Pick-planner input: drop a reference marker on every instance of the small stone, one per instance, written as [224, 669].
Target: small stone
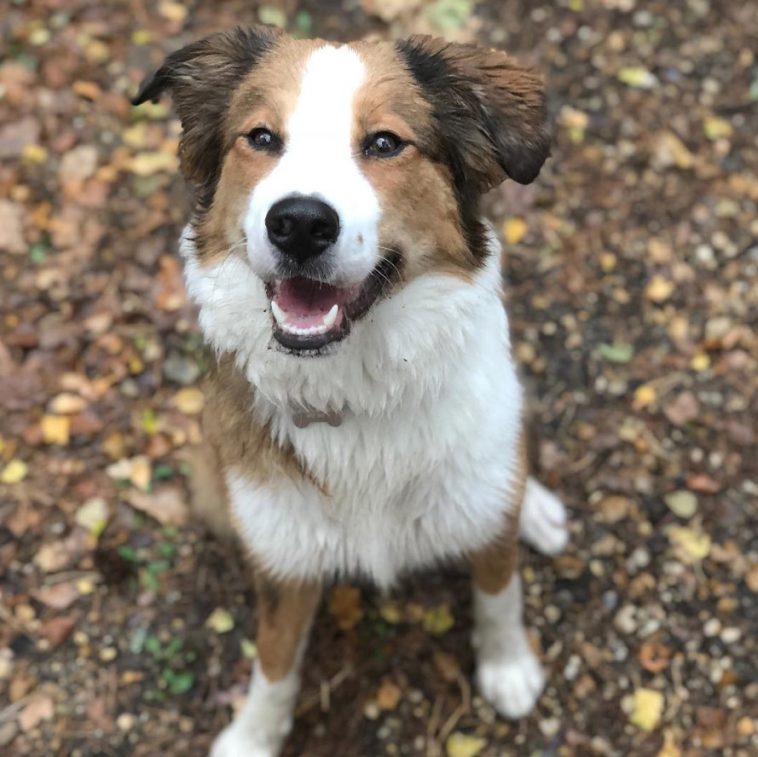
[626, 620]
[371, 711]
[614, 508]
[549, 727]
[108, 654]
[8, 732]
[181, 369]
[731, 635]
[682, 503]
[745, 726]
[712, 627]
[125, 721]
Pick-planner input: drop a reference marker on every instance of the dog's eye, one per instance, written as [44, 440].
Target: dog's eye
[384, 144]
[264, 140]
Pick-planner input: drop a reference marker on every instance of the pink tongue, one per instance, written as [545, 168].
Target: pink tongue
[306, 302]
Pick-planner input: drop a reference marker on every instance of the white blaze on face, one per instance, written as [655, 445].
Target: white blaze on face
[318, 161]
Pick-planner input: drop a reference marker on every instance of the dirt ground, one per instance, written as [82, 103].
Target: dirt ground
[633, 286]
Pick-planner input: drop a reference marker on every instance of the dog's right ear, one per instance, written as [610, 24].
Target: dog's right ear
[201, 78]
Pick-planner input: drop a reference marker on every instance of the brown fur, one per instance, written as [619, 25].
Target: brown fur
[285, 612]
[493, 566]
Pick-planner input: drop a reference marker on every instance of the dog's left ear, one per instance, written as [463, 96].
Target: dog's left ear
[201, 78]
[489, 111]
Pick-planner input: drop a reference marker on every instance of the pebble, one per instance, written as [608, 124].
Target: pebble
[549, 727]
[108, 654]
[371, 711]
[712, 627]
[125, 721]
[8, 732]
[730, 635]
[573, 666]
[626, 620]
[180, 369]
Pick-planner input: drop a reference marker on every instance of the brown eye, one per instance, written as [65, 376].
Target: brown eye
[383, 144]
[264, 140]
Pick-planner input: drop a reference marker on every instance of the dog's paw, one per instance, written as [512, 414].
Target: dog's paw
[238, 741]
[511, 686]
[544, 522]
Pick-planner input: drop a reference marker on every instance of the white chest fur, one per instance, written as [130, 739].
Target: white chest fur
[420, 468]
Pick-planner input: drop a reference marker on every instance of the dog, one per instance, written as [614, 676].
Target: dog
[364, 416]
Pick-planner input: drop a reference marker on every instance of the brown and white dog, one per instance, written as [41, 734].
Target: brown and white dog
[364, 417]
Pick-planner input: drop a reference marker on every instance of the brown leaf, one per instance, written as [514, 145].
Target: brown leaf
[40, 708]
[345, 606]
[59, 596]
[388, 695]
[56, 630]
[167, 505]
[683, 409]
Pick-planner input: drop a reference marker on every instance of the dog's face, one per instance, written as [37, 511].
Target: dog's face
[340, 173]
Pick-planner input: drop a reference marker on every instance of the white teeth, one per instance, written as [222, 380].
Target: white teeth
[279, 315]
[331, 317]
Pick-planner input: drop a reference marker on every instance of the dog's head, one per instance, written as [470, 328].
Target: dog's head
[339, 173]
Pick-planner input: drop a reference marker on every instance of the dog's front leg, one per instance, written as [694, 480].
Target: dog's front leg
[285, 613]
[508, 673]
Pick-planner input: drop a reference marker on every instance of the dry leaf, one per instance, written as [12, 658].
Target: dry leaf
[691, 546]
[658, 289]
[644, 396]
[388, 695]
[220, 621]
[345, 606]
[637, 77]
[67, 404]
[462, 745]
[93, 516]
[682, 503]
[14, 472]
[167, 505]
[189, 400]
[514, 230]
[56, 429]
[438, 620]
[647, 709]
[41, 707]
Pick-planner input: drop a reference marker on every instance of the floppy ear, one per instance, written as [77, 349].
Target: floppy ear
[201, 78]
[489, 111]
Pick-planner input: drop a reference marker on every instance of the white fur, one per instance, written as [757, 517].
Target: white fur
[508, 673]
[421, 467]
[318, 161]
[543, 523]
[264, 721]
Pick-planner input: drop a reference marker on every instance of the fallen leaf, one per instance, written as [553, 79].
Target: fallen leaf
[669, 747]
[56, 429]
[270, 14]
[702, 482]
[388, 695]
[56, 630]
[462, 745]
[58, 596]
[575, 121]
[345, 606]
[647, 709]
[716, 128]
[93, 516]
[438, 620]
[391, 613]
[658, 289]
[389, 10]
[692, 546]
[149, 163]
[637, 77]
[614, 508]
[167, 505]
[448, 666]
[12, 228]
[189, 400]
[78, 164]
[449, 15]
[671, 151]
[682, 503]
[41, 707]
[137, 470]
[618, 352]
[172, 11]
[67, 404]
[220, 621]
[514, 230]
[683, 409]
[14, 472]
[644, 396]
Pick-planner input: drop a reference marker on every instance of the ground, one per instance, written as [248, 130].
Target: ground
[633, 275]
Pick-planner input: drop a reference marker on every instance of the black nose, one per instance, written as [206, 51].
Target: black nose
[302, 227]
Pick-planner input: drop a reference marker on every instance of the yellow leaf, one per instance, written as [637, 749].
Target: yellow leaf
[638, 77]
[646, 709]
[14, 472]
[691, 545]
[345, 606]
[34, 154]
[700, 362]
[658, 289]
[644, 396]
[189, 400]
[514, 230]
[140, 472]
[717, 128]
[461, 745]
[93, 515]
[149, 163]
[391, 613]
[220, 621]
[670, 150]
[141, 37]
[55, 429]
[388, 695]
[172, 11]
[608, 262]
[438, 620]
[669, 747]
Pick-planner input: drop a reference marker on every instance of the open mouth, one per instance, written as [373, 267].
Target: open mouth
[308, 314]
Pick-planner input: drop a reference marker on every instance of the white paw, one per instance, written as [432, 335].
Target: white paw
[544, 523]
[511, 686]
[237, 741]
